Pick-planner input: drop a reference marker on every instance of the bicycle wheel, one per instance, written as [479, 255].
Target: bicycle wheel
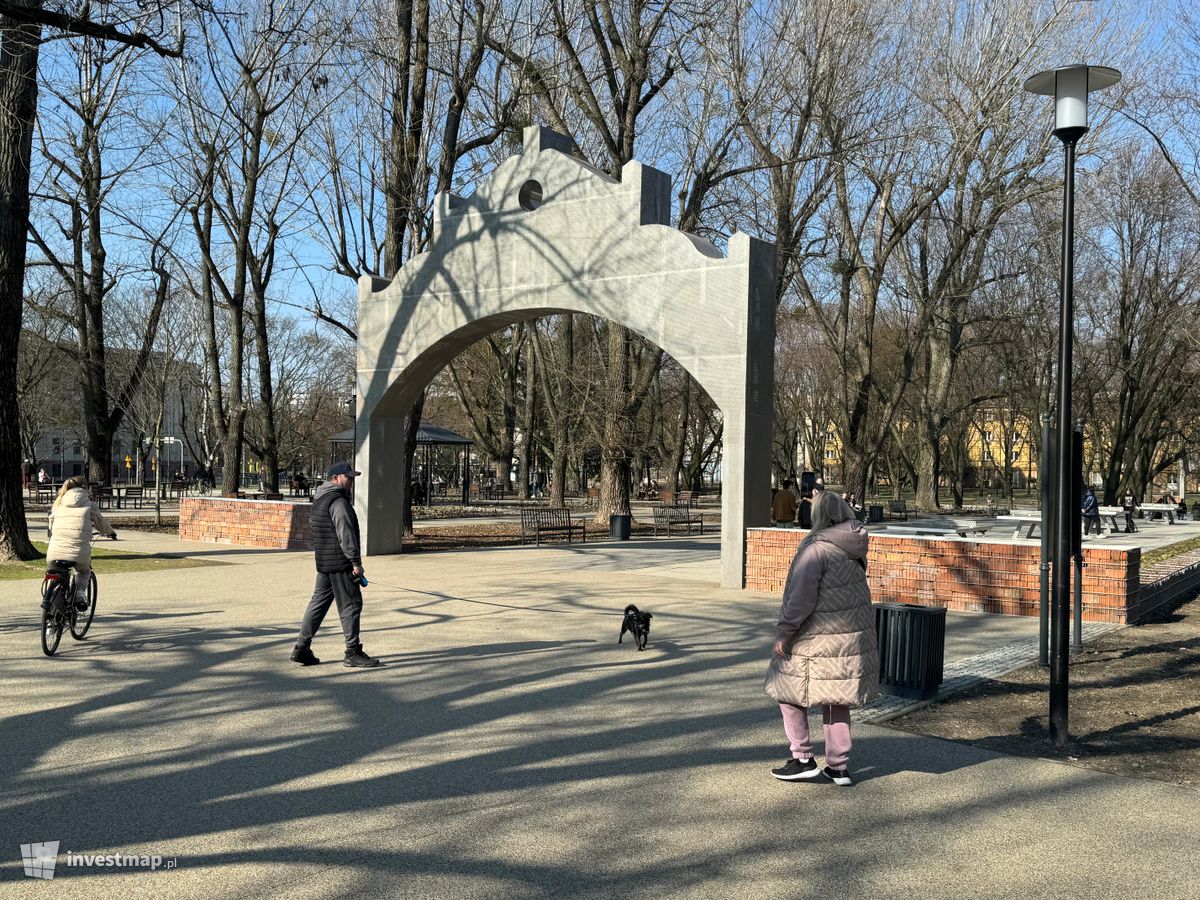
[81, 620]
[52, 620]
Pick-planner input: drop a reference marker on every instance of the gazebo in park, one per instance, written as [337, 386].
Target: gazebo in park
[430, 439]
[547, 233]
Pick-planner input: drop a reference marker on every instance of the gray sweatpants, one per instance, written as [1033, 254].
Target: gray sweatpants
[339, 586]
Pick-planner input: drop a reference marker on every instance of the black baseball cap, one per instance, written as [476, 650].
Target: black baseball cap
[341, 468]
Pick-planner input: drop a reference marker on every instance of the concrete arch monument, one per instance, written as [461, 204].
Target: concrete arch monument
[546, 233]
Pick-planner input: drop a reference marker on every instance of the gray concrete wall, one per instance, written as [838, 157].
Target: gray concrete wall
[595, 246]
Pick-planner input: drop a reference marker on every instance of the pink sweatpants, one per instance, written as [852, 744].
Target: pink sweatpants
[837, 733]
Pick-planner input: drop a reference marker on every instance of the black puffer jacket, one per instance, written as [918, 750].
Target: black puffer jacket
[334, 530]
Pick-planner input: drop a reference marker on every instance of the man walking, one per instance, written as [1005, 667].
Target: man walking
[1091, 511]
[339, 568]
[783, 505]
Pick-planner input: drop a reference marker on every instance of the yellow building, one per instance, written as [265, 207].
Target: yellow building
[993, 435]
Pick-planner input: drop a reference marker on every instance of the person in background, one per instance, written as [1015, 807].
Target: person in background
[43, 478]
[783, 505]
[73, 518]
[1091, 512]
[825, 652]
[1130, 505]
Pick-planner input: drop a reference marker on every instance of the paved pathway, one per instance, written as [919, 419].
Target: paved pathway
[510, 748]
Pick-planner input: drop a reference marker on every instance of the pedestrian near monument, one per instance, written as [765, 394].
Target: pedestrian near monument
[1091, 511]
[73, 517]
[783, 505]
[336, 546]
[1129, 503]
[825, 652]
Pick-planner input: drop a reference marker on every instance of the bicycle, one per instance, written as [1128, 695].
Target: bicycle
[60, 609]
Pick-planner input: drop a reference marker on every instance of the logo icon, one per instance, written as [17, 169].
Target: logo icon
[39, 859]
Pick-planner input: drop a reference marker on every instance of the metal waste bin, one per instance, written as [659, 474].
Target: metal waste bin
[619, 526]
[912, 648]
[874, 513]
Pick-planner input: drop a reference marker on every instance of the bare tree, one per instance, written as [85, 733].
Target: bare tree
[21, 24]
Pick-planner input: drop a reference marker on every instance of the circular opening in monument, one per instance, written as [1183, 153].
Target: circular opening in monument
[530, 196]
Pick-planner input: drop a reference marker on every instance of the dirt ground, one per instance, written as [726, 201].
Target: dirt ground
[1134, 705]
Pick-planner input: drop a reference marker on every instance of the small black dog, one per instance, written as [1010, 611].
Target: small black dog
[636, 623]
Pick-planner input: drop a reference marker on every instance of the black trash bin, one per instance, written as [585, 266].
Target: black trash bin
[619, 526]
[912, 644]
[874, 513]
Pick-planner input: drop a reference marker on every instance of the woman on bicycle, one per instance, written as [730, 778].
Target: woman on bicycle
[73, 516]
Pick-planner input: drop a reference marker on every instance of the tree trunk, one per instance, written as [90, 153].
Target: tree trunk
[412, 424]
[18, 107]
[928, 472]
[525, 455]
[614, 448]
[676, 464]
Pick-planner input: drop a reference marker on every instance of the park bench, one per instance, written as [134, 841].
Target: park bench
[670, 517]
[133, 494]
[552, 521]
[103, 496]
[898, 508]
[46, 492]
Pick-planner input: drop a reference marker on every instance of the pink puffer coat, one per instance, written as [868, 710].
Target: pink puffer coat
[827, 620]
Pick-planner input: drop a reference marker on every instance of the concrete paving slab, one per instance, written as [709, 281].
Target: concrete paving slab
[510, 748]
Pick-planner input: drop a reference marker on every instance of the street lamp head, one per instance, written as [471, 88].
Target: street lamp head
[1070, 86]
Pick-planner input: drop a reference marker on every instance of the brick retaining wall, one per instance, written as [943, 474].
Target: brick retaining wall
[277, 524]
[960, 573]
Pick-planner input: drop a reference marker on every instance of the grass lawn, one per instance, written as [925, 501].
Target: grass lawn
[1171, 550]
[105, 561]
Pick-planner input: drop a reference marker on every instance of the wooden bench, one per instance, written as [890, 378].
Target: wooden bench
[898, 508]
[550, 521]
[669, 517]
[103, 495]
[133, 494]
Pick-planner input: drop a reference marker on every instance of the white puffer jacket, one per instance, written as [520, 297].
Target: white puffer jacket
[72, 520]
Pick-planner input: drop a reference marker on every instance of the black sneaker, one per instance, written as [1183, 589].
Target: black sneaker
[357, 659]
[304, 656]
[838, 776]
[797, 770]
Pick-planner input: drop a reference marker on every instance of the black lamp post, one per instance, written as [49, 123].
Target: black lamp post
[1069, 86]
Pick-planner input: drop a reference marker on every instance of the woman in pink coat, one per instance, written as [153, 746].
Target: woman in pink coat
[825, 653]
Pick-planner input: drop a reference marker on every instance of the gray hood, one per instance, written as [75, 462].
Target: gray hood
[849, 536]
[325, 489]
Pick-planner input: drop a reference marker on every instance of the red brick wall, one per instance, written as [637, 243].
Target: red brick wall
[277, 524]
[959, 574]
